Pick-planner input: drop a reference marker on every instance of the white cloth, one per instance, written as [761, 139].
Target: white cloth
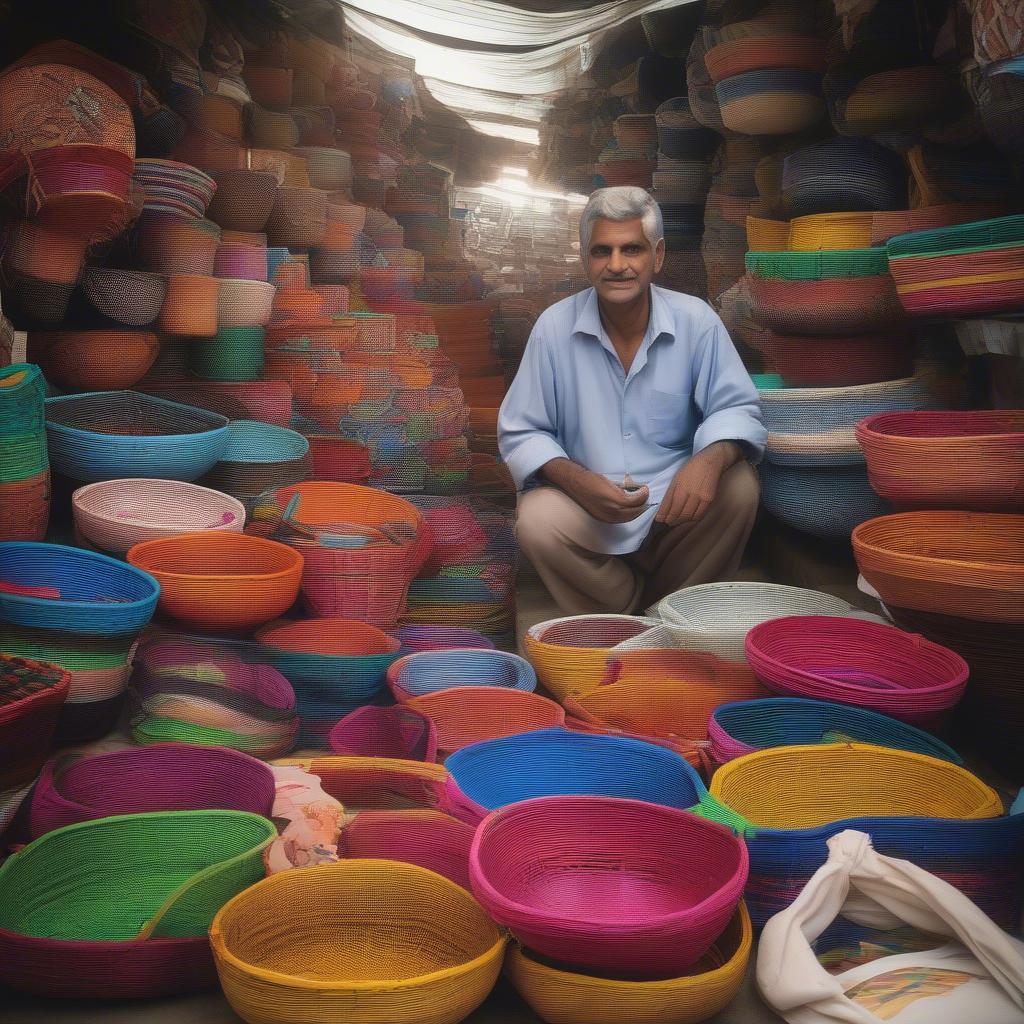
[883, 892]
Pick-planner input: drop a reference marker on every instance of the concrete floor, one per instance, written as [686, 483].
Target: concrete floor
[773, 555]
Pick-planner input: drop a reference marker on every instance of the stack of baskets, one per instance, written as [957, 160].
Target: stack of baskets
[24, 462]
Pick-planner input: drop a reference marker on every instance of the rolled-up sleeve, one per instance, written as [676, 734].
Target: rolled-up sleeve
[725, 396]
[528, 418]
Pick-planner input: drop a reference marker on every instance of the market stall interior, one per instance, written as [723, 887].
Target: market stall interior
[290, 730]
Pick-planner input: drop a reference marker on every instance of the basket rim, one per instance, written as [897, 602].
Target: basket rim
[868, 426]
[219, 537]
[216, 421]
[82, 492]
[219, 943]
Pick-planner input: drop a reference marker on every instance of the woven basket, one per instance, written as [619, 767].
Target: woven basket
[118, 908]
[818, 265]
[217, 580]
[831, 306]
[767, 235]
[430, 671]
[440, 638]
[928, 811]
[743, 727]
[235, 354]
[825, 361]
[240, 261]
[430, 839]
[946, 562]
[164, 777]
[169, 244]
[560, 996]
[25, 505]
[108, 435]
[860, 663]
[299, 217]
[716, 617]
[651, 886]
[31, 695]
[772, 102]
[962, 460]
[898, 222]
[114, 515]
[569, 654]
[190, 305]
[831, 231]
[737, 56]
[395, 732]
[391, 942]
[93, 360]
[244, 303]
[130, 297]
[50, 586]
[243, 200]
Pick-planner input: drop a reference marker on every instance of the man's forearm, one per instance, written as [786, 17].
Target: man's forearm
[721, 454]
[563, 473]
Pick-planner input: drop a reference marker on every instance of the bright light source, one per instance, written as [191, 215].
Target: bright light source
[515, 132]
[521, 172]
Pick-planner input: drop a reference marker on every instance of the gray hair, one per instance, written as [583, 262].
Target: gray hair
[622, 202]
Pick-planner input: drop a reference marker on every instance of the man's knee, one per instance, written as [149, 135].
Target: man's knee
[739, 490]
[538, 514]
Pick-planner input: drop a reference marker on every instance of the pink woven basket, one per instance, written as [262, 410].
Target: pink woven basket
[428, 838]
[856, 662]
[398, 732]
[615, 887]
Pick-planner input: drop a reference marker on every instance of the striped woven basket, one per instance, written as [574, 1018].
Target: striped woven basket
[118, 908]
[560, 996]
[746, 726]
[921, 809]
[946, 562]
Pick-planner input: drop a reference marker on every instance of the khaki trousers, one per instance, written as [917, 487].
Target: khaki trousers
[550, 527]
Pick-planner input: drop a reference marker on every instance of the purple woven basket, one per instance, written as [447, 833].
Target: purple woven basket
[395, 731]
[162, 777]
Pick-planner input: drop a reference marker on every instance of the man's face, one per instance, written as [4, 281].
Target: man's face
[620, 262]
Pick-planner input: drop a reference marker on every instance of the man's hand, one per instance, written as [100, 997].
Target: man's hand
[594, 493]
[694, 487]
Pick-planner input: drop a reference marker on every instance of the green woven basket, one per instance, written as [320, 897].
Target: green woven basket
[22, 456]
[149, 729]
[133, 876]
[236, 353]
[816, 266]
[997, 233]
[76, 654]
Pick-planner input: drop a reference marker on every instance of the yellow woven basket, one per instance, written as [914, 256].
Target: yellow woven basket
[562, 997]
[830, 231]
[767, 235]
[800, 787]
[358, 942]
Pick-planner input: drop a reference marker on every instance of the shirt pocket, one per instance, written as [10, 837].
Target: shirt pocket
[667, 418]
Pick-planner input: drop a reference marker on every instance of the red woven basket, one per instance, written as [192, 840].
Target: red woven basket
[959, 460]
[852, 661]
[849, 305]
[31, 696]
[824, 361]
[399, 732]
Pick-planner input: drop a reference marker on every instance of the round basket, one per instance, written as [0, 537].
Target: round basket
[430, 671]
[396, 732]
[569, 654]
[767, 235]
[164, 777]
[560, 996]
[431, 839]
[470, 714]
[119, 908]
[951, 460]
[716, 617]
[299, 217]
[130, 297]
[240, 261]
[190, 305]
[922, 809]
[742, 727]
[818, 265]
[865, 664]
[391, 941]
[218, 580]
[31, 696]
[244, 303]
[114, 515]
[823, 361]
[235, 354]
[50, 586]
[93, 360]
[243, 200]
[441, 638]
[946, 562]
[107, 435]
[773, 102]
[609, 885]
[835, 231]
[853, 305]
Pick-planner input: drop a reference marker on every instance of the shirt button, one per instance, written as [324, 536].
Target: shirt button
[626, 437]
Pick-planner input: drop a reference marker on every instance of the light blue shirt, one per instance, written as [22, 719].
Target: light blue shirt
[686, 389]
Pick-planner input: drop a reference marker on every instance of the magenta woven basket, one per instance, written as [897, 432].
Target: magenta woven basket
[163, 777]
[615, 887]
[856, 662]
[395, 731]
[428, 838]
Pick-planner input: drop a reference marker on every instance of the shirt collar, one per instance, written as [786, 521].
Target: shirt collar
[661, 322]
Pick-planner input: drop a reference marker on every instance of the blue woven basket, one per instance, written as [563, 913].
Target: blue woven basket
[558, 762]
[429, 671]
[106, 435]
[99, 595]
[782, 721]
[346, 680]
[253, 441]
[824, 500]
[750, 83]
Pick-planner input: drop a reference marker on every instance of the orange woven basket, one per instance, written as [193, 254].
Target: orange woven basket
[471, 714]
[323, 502]
[377, 783]
[190, 305]
[93, 360]
[216, 580]
[966, 564]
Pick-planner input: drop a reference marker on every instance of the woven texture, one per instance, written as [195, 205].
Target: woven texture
[365, 941]
[31, 695]
[119, 907]
[24, 459]
[931, 812]
[860, 663]
[397, 732]
[657, 885]
[560, 996]
[430, 671]
[946, 562]
[93, 360]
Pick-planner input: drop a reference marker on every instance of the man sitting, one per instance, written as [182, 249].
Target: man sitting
[630, 428]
